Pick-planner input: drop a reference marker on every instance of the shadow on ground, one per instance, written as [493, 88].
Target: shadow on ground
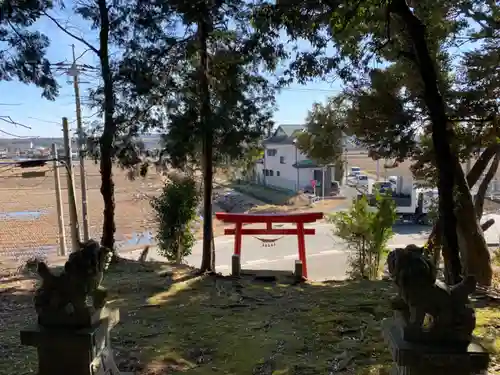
[174, 322]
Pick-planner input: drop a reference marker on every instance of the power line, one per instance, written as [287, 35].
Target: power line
[17, 136]
[9, 120]
[308, 89]
[50, 121]
[46, 121]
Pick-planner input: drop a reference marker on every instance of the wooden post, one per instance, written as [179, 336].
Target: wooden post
[73, 214]
[60, 212]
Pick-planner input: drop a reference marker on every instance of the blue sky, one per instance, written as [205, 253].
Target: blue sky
[26, 106]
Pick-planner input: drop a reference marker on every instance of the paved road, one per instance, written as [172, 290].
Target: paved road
[327, 255]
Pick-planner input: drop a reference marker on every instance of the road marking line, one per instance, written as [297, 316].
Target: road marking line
[257, 261]
[290, 257]
[220, 242]
[324, 252]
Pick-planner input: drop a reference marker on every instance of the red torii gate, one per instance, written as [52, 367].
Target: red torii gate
[239, 219]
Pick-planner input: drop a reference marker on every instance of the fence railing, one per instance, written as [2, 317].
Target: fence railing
[29, 218]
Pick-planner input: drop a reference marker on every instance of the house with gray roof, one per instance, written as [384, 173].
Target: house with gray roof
[285, 166]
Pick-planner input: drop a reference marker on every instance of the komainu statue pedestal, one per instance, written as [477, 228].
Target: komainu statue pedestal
[431, 332]
[84, 351]
[430, 359]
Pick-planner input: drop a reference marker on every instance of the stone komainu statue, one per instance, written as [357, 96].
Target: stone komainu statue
[67, 294]
[420, 294]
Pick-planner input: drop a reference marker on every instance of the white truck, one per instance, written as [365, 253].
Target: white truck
[412, 203]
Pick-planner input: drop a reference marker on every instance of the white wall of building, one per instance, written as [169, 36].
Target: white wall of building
[284, 175]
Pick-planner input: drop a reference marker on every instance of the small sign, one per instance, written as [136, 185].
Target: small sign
[313, 183]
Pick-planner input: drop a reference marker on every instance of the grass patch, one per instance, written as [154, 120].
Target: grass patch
[173, 323]
[263, 193]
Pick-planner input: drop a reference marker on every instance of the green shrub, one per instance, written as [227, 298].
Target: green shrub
[496, 257]
[175, 210]
[366, 232]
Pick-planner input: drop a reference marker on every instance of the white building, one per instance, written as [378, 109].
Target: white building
[284, 166]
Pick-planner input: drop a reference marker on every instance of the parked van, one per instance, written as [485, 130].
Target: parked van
[362, 182]
[335, 188]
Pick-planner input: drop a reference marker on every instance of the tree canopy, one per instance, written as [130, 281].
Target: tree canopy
[398, 64]
[323, 137]
[22, 55]
[199, 73]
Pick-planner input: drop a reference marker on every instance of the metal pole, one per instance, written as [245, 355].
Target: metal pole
[323, 183]
[73, 215]
[378, 169]
[60, 213]
[265, 167]
[297, 165]
[346, 165]
[81, 149]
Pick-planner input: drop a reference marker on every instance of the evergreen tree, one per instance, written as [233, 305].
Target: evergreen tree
[22, 55]
[204, 87]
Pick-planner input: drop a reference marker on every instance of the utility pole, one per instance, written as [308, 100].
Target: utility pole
[60, 212]
[81, 146]
[73, 214]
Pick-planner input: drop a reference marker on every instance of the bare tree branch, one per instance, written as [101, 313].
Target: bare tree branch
[81, 40]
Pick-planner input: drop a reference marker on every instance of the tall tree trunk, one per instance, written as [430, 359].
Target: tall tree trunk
[205, 116]
[483, 187]
[481, 163]
[476, 257]
[106, 141]
[472, 178]
[478, 260]
[441, 134]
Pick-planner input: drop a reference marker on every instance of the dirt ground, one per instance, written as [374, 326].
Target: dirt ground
[28, 213]
[173, 322]
[28, 210]
[37, 196]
